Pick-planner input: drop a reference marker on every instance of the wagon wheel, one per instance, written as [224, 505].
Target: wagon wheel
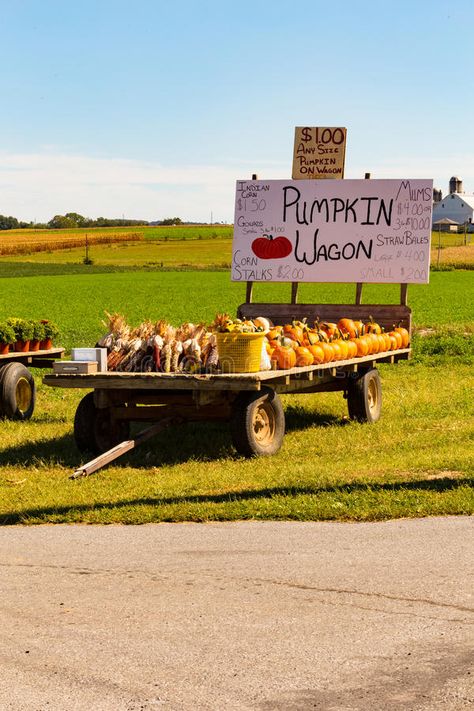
[258, 423]
[17, 392]
[95, 430]
[364, 397]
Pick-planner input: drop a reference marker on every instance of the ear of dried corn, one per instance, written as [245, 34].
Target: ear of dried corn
[160, 347]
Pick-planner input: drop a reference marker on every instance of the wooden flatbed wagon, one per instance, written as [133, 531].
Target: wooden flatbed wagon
[17, 385]
[250, 402]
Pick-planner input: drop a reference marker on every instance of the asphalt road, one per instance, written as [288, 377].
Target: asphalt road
[284, 616]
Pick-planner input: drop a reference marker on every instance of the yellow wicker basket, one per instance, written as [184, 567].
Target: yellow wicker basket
[239, 352]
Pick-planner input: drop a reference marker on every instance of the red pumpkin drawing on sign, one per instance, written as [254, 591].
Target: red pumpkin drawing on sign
[265, 247]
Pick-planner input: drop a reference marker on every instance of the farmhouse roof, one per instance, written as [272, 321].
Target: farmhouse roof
[467, 198]
[445, 221]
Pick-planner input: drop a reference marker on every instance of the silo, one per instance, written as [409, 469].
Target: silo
[455, 185]
[437, 195]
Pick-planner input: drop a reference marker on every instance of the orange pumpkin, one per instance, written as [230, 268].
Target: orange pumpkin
[312, 337]
[372, 327]
[337, 350]
[347, 325]
[362, 347]
[274, 333]
[398, 338]
[284, 357]
[293, 331]
[303, 356]
[344, 349]
[404, 334]
[330, 328]
[317, 353]
[351, 349]
[375, 342]
[382, 344]
[359, 328]
[386, 339]
[328, 351]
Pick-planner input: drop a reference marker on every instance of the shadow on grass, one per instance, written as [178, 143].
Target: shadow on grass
[175, 446]
[299, 418]
[439, 486]
[204, 442]
[61, 451]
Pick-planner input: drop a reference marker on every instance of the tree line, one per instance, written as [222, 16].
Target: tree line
[73, 219]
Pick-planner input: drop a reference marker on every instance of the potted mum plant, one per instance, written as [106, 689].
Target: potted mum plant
[38, 335]
[51, 331]
[23, 331]
[7, 337]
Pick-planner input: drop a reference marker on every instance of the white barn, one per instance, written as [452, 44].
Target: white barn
[457, 206]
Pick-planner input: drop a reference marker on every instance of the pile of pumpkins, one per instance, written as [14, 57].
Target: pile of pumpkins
[298, 344]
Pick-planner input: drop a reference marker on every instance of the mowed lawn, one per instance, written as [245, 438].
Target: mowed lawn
[416, 461]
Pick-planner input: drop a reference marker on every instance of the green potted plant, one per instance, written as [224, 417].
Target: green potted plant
[51, 331]
[38, 335]
[7, 337]
[23, 330]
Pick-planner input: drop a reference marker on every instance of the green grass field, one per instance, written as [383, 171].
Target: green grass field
[416, 461]
[77, 301]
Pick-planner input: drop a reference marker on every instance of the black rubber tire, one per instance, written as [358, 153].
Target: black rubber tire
[94, 429]
[17, 392]
[364, 397]
[258, 423]
[2, 414]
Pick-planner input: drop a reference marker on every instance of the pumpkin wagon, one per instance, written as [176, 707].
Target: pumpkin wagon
[287, 231]
[249, 401]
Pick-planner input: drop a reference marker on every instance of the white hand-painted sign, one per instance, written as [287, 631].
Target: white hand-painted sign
[332, 230]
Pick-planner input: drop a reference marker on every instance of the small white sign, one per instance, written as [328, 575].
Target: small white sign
[332, 231]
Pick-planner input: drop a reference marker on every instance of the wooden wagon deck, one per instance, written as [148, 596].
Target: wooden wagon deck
[294, 379]
[35, 359]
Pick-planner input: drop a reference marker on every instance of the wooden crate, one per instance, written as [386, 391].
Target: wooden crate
[76, 367]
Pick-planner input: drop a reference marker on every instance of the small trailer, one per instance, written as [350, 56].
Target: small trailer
[250, 402]
[17, 385]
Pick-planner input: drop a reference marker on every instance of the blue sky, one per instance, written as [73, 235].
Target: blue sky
[154, 109]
